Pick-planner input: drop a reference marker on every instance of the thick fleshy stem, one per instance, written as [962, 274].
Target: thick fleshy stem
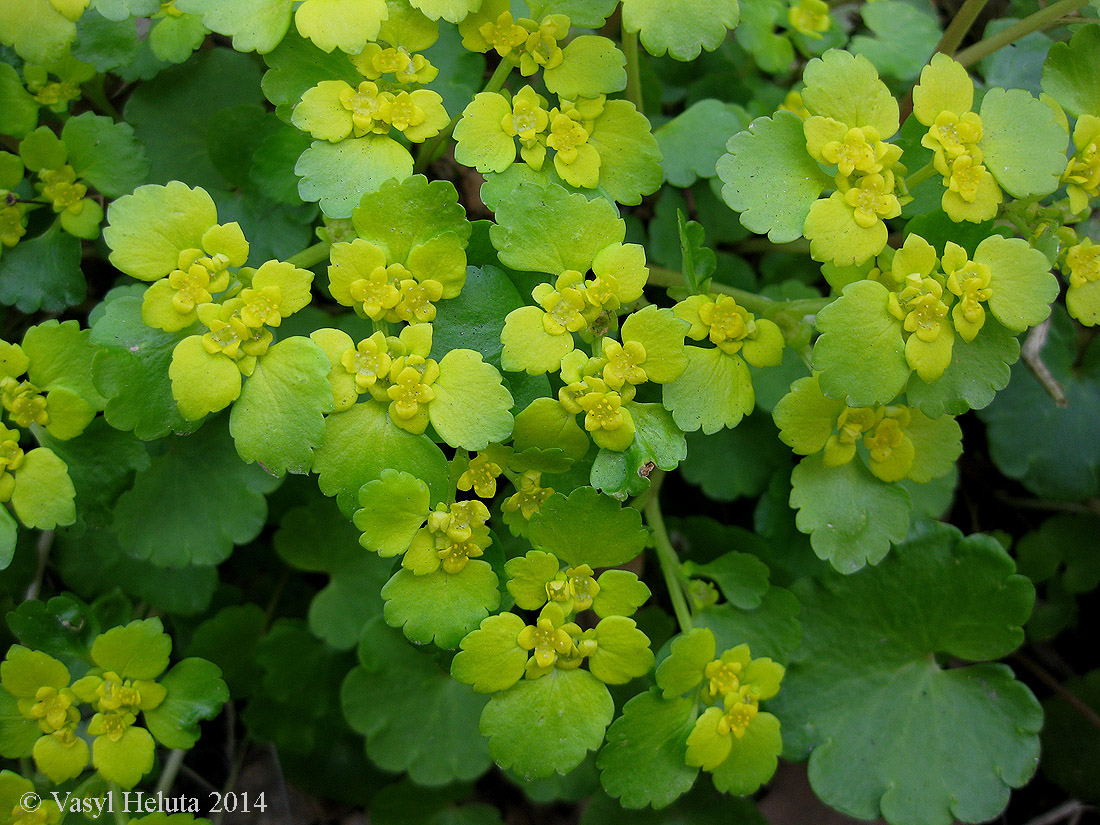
[666, 554]
[633, 72]
[960, 24]
[310, 256]
[920, 176]
[430, 150]
[1032, 23]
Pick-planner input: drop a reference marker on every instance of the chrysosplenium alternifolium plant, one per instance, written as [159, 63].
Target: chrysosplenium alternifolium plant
[438, 257]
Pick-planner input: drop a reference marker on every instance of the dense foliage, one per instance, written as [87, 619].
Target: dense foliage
[363, 362]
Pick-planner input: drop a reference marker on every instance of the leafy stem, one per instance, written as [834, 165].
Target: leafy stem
[671, 569]
[960, 24]
[660, 276]
[1032, 23]
[310, 256]
[920, 176]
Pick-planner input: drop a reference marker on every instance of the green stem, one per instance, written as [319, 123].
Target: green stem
[633, 73]
[45, 543]
[97, 96]
[660, 276]
[960, 24]
[1031, 23]
[171, 769]
[666, 555]
[310, 256]
[430, 150]
[920, 176]
[115, 795]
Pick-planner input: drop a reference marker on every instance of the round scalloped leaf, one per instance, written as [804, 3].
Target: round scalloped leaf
[43, 495]
[591, 66]
[771, 630]
[805, 417]
[693, 141]
[491, 659]
[642, 763]
[427, 210]
[278, 420]
[392, 509]
[680, 27]
[1071, 74]
[868, 664]
[861, 353]
[588, 528]
[138, 650]
[742, 577]
[40, 30]
[196, 693]
[158, 519]
[584, 14]
[851, 516]
[978, 371]
[338, 174]
[658, 442]
[414, 716]
[1051, 450]
[105, 154]
[297, 66]
[905, 38]
[255, 25]
[347, 25]
[361, 443]
[441, 607]
[547, 229]
[938, 445]
[18, 109]
[714, 391]
[770, 178]
[847, 88]
[131, 371]
[630, 158]
[472, 407]
[43, 273]
[1022, 283]
[148, 229]
[543, 726]
[1023, 145]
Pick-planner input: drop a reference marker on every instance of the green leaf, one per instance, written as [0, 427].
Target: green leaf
[339, 174]
[43, 493]
[905, 38]
[415, 717]
[547, 229]
[18, 110]
[868, 664]
[201, 474]
[104, 43]
[681, 28]
[173, 113]
[474, 319]
[588, 528]
[1071, 77]
[278, 420]
[362, 442]
[1071, 750]
[978, 371]
[138, 650]
[585, 14]
[770, 178]
[8, 537]
[296, 66]
[229, 639]
[392, 510]
[643, 761]
[255, 25]
[1023, 145]
[742, 577]
[441, 607]
[61, 358]
[472, 406]
[693, 141]
[658, 444]
[715, 391]
[772, 629]
[38, 29]
[43, 273]
[491, 659]
[175, 38]
[861, 353]
[131, 371]
[1052, 450]
[105, 153]
[63, 627]
[731, 464]
[546, 725]
[851, 516]
[591, 66]
[846, 88]
[196, 692]
[630, 159]
[272, 167]
[429, 211]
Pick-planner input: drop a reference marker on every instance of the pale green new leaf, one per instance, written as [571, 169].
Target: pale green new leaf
[630, 159]
[339, 174]
[682, 27]
[770, 178]
[472, 407]
[441, 607]
[391, 509]
[851, 516]
[278, 420]
[43, 494]
[491, 660]
[622, 651]
[255, 25]
[715, 391]
[847, 88]
[591, 66]
[547, 725]
[1023, 145]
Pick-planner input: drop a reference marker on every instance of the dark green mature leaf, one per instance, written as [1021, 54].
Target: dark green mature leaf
[1071, 750]
[193, 503]
[658, 444]
[415, 717]
[474, 319]
[772, 629]
[64, 627]
[738, 462]
[1070, 74]
[195, 692]
[1053, 451]
[105, 44]
[588, 528]
[297, 65]
[105, 153]
[643, 761]
[742, 577]
[692, 142]
[173, 114]
[229, 639]
[131, 371]
[904, 38]
[868, 664]
[43, 273]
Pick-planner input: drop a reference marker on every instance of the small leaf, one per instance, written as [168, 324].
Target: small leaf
[1023, 145]
[1071, 77]
[196, 692]
[43, 273]
[588, 528]
[680, 28]
[456, 603]
[339, 174]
